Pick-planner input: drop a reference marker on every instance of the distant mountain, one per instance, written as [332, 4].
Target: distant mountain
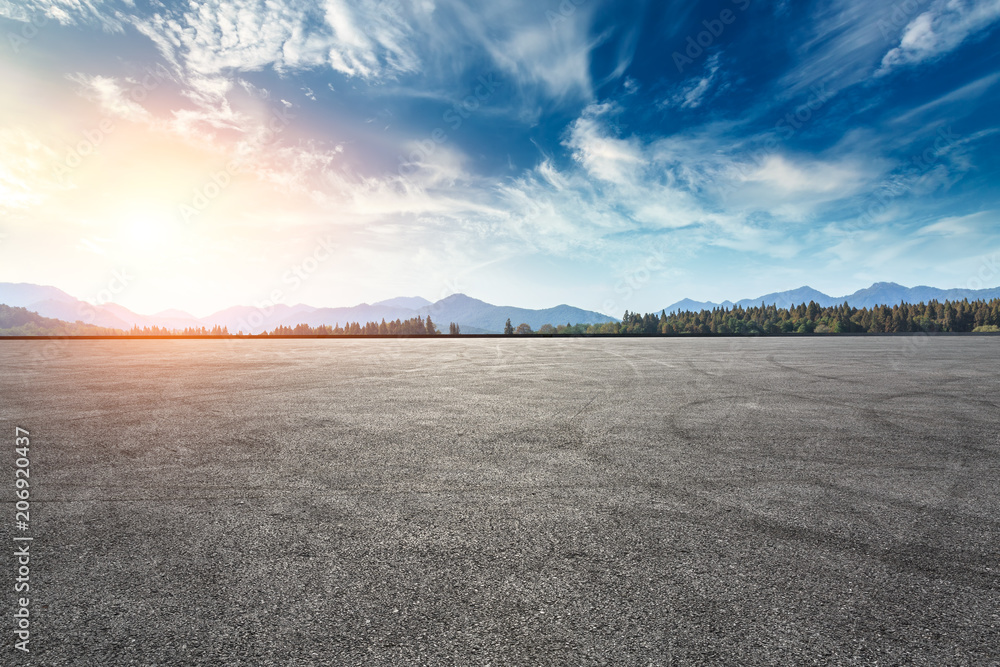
[75, 310]
[250, 319]
[695, 306]
[19, 321]
[169, 319]
[791, 298]
[890, 294]
[361, 313]
[472, 315]
[22, 295]
[468, 312]
[54, 303]
[879, 294]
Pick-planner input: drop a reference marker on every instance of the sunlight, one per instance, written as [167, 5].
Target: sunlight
[144, 231]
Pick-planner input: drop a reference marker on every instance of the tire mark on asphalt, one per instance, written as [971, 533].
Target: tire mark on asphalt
[775, 362]
[912, 558]
[586, 405]
[331, 493]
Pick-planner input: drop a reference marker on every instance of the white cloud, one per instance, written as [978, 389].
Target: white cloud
[693, 93]
[960, 225]
[940, 30]
[364, 39]
[838, 47]
[536, 55]
[956, 98]
[65, 12]
[603, 156]
[442, 167]
[698, 187]
[25, 166]
[777, 172]
[369, 38]
[112, 97]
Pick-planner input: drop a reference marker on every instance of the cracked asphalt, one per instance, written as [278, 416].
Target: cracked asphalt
[522, 501]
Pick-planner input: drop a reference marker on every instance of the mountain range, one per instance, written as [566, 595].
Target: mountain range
[879, 294]
[472, 315]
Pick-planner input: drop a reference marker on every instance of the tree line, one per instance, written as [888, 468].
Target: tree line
[934, 316]
[415, 326]
[186, 331]
[16, 321]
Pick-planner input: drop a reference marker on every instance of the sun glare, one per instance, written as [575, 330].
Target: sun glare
[145, 231]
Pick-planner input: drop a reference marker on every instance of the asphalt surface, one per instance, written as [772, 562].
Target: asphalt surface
[775, 501]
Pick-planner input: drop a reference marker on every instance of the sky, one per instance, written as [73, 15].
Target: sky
[609, 155]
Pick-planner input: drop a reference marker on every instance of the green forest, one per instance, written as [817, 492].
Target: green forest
[959, 316]
[951, 317]
[413, 327]
[23, 322]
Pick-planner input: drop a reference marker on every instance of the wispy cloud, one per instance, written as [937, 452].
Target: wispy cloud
[111, 96]
[106, 14]
[953, 100]
[693, 93]
[939, 30]
[24, 169]
[591, 148]
[964, 225]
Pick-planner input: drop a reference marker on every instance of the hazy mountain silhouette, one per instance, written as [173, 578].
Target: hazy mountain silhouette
[469, 312]
[695, 306]
[24, 294]
[879, 294]
[52, 302]
[803, 294]
[472, 315]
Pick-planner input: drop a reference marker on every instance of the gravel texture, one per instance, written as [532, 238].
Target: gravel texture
[776, 501]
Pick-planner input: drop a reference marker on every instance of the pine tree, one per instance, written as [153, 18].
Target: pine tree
[508, 329]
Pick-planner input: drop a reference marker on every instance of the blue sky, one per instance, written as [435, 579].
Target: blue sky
[608, 155]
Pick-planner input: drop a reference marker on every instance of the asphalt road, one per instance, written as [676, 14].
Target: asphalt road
[507, 502]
